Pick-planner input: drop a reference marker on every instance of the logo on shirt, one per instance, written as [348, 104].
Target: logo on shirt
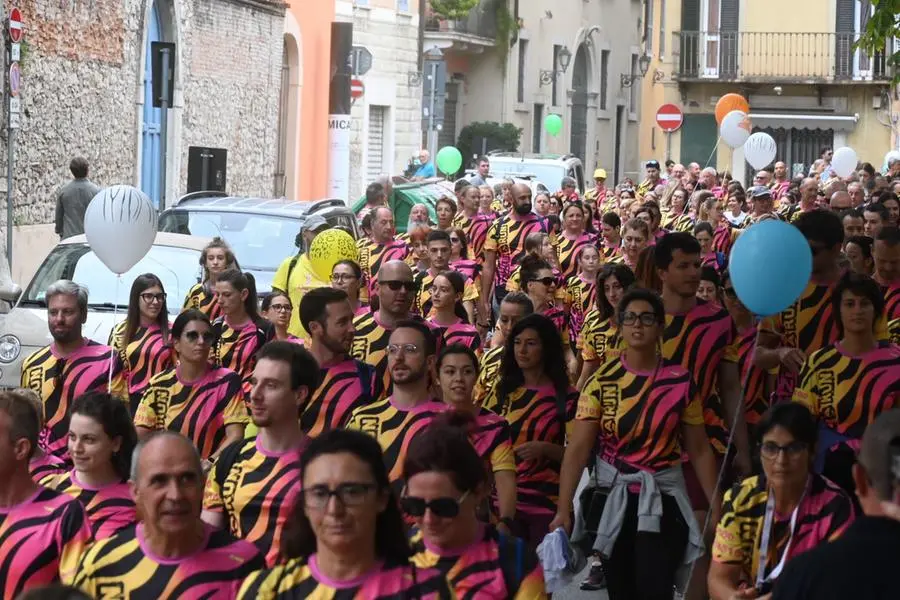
[789, 324]
[826, 383]
[35, 379]
[370, 425]
[358, 347]
[111, 591]
[609, 406]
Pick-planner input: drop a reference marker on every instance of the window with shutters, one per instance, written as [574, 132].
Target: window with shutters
[662, 28]
[689, 52]
[554, 88]
[520, 84]
[710, 19]
[633, 90]
[648, 26]
[537, 127]
[604, 78]
[376, 151]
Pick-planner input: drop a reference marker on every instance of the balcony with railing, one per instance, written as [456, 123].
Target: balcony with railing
[775, 57]
[473, 33]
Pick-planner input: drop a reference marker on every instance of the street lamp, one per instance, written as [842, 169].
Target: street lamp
[563, 58]
[643, 66]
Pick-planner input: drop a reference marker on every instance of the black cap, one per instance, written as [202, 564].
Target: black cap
[652, 164]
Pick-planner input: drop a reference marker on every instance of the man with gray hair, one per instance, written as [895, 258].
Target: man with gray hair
[72, 200]
[862, 563]
[171, 548]
[70, 366]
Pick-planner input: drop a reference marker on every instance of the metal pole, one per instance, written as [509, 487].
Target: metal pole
[10, 152]
[163, 127]
[668, 145]
[432, 142]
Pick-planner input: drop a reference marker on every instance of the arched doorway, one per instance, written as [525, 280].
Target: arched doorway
[579, 124]
[152, 165]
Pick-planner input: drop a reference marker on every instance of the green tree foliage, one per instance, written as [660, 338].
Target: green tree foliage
[453, 9]
[499, 137]
[880, 32]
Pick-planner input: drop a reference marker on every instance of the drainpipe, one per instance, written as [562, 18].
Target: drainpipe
[422, 6]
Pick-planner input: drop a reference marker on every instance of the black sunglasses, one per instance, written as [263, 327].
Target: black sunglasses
[395, 286]
[194, 336]
[548, 281]
[446, 508]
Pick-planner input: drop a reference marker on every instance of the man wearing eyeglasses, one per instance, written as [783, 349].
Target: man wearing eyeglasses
[409, 409]
[396, 293]
[809, 324]
[254, 483]
[70, 366]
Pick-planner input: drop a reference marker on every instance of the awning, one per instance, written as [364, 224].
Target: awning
[805, 121]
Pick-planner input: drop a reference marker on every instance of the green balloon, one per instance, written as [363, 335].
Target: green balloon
[553, 124]
[448, 160]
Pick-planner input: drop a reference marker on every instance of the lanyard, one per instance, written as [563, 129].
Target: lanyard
[768, 526]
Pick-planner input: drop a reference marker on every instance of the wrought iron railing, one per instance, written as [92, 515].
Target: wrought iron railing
[481, 22]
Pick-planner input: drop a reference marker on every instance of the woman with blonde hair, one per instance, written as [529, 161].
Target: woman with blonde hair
[216, 258]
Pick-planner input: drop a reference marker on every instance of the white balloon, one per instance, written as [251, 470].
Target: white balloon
[735, 128]
[890, 156]
[844, 161]
[120, 224]
[760, 150]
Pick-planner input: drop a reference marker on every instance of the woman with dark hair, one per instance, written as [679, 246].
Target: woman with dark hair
[677, 219]
[709, 257]
[599, 339]
[101, 440]
[446, 483]
[710, 288]
[538, 245]
[534, 395]
[572, 239]
[459, 257]
[848, 383]
[448, 319]
[417, 238]
[347, 276]
[457, 368]
[445, 209]
[635, 237]
[858, 251]
[142, 339]
[581, 290]
[240, 332]
[643, 413]
[651, 207]
[541, 284]
[471, 223]
[514, 307]
[646, 272]
[276, 309]
[768, 519]
[215, 259]
[758, 384]
[346, 538]
[204, 403]
[611, 235]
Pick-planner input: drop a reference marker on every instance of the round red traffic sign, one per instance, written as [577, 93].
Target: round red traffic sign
[357, 88]
[15, 25]
[669, 117]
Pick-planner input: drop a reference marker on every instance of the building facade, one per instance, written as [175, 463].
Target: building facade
[87, 90]
[515, 62]
[806, 84]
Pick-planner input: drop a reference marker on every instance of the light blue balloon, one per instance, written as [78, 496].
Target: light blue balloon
[770, 266]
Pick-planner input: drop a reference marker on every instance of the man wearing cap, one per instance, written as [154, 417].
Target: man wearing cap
[295, 276]
[652, 180]
[761, 204]
[597, 194]
[862, 563]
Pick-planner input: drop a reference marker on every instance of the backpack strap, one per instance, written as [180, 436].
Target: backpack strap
[291, 265]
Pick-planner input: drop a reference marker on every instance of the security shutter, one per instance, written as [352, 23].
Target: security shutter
[845, 28]
[690, 38]
[447, 134]
[797, 148]
[375, 160]
[728, 31]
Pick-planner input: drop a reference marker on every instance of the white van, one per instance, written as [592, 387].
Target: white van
[549, 169]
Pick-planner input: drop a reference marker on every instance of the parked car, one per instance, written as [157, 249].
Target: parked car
[549, 169]
[260, 231]
[174, 258]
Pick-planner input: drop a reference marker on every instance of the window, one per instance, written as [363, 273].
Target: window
[662, 28]
[554, 91]
[360, 2]
[633, 90]
[604, 77]
[403, 6]
[648, 25]
[520, 85]
[537, 127]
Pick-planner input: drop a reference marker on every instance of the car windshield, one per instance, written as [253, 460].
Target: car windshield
[261, 242]
[178, 268]
[549, 174]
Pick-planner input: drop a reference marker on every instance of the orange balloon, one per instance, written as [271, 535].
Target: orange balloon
[728, 103]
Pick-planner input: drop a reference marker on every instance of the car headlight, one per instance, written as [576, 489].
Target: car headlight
[9, 348]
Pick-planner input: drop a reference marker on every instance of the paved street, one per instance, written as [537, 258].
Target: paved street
[573, 593]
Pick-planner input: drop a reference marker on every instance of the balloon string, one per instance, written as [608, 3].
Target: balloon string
[112, 348]
[713, 151]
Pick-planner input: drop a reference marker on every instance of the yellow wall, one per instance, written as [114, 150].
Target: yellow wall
[791, 16]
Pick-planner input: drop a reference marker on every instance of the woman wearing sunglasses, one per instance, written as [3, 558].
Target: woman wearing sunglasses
[446, 482]
[457, 368]
[769, 519]
[204, 403]
[142, 339]
[643, 412]
[541, 284]
[848, 383]
[276, 308]
[534, 395]
[100, 441]
[448, 318]
[757, 383]
[346, 276]
[346, 537]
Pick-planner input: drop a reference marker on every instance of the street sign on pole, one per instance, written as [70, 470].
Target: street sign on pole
[361, 60]
[357, 88]
[15, 79]
[669, 118]
[15, 26]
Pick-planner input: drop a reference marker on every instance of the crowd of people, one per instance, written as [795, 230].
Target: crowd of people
[511, 365]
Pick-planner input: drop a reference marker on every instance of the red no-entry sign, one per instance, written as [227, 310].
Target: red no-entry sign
[357, 88]
[669, 117]
[15, 25]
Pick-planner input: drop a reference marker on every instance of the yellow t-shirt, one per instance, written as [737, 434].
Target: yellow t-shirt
[303, 279]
